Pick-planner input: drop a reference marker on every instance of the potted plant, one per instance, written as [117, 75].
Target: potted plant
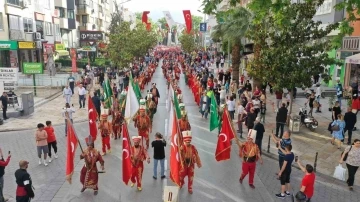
[331, 102]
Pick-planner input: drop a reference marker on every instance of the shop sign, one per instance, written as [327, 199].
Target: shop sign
[91, 35]
[32, 68]
[59, 47]
[27, 45]
[8, 45]
[8, 74]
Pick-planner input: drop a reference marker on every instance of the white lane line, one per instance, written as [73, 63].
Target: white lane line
[207, 195]
[204, 141]
[206, 152]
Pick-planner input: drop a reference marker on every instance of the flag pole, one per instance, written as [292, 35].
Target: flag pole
[231, 124]
[71, 125]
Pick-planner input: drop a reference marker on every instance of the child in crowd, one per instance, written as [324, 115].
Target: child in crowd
[51, 139]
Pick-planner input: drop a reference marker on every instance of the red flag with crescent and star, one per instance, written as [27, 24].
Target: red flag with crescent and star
[188, 20]
[175, 159]
[126, 164]
[92, 119]
[72, 143]
[223, 147]
[144, 18]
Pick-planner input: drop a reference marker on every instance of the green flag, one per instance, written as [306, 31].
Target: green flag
[136, 88]
[177, 107]
[107, 94]
[214, 116]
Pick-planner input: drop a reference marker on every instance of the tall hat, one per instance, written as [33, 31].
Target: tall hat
[123, 92]
[182, 105]
[222, 106]
[149, 95]
[103, 117]
[136, 139]
[89, 140]
[187, 136]
[179, 96]
[142, 101]
[252, 135]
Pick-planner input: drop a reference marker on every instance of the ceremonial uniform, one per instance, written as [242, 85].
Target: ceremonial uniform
[138, 155]
[117, 123]
[143, 124]
[151, 107]
[189, 156]
[89, 173]
[24, 191]
[155, 93]
[105, 131]
[184, 122]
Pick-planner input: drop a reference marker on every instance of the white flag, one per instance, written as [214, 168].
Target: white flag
[171, 120]
[132, 104]
[170, 21]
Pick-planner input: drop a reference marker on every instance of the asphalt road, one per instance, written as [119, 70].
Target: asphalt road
[215, 181]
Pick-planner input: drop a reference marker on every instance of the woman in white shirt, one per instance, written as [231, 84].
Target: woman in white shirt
[256, 105]
[241, 115]
[231, 107]
[318, 96]
[222, 95]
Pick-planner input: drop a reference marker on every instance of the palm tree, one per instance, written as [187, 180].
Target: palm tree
[233, 30]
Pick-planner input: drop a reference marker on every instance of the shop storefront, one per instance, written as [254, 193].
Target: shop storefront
[61, 52]
[8, 54]
[352, 70]
[29, 52]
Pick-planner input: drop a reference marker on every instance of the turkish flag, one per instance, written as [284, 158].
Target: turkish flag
[223, 147]
[145, 17]
[92, 119]
[188, 20]
[175, 160]
[72, 143]
[148, 26]
[126, 164]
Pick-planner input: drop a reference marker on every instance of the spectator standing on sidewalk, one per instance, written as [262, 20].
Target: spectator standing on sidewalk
[231, 107]
[308, 181]
[260, 130]
[281, 143]
[4, 104]
[281, 117]
[67, 93]
[336, 110]
[318, 96]
[250, 119]
[24, 190]
[240, 117]
[279, 97]
[51, 140]
[338, 127]
[222, 61]
[350, 121]
[339, 92]
[97, 103]
[41, 143]
[71, 80]
[159, 145]
[3, 164]
[285, 171]
[82, 94]
[262, 112]
[352, 161]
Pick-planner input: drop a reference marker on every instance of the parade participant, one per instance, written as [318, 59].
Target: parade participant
[151, 107]
[190, 156]
[67, 93]
[105, 131]
[155, 93]
[122, 102]
[143, 124]
[220, 112]
[250, 153]
[177, 73]
[182, 108]
[138, 155]
[184, 122]
[24, 190]
[117, 122]
[89, 173]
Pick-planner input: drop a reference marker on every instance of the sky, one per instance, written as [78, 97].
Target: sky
[156, 8]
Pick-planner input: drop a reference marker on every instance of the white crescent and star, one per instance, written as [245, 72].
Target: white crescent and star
[225, 137]
[91, 110]
[72, 147]
[187, 15]
[125, 150]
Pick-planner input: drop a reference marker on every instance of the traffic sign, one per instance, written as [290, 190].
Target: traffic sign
[203, 27]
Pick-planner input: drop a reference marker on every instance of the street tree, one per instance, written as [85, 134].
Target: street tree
[115, 20]
[187, 42]
[289, 46]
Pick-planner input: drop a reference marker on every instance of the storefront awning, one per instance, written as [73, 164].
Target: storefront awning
[354, 59]
[62, 52]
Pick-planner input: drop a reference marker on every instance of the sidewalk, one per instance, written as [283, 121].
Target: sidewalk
[50, 111]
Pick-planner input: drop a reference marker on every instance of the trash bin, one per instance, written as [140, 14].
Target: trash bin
[294, 125]
[171, 194]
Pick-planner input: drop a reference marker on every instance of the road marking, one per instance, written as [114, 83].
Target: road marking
[205, 151]
[201, 140]
[207, 195]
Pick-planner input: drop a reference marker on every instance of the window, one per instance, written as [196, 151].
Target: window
[61, 12]
[100, 9]
[84, 19]
[1, 22]
[14, 22]
[48, 27]
[91, 4]
[39, 26]
[70, 14]
[57, 29]
[28, 25]
[14, 2]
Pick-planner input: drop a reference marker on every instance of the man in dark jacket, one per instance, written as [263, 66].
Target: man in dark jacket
[97, 104]
[281, 117]
[24, 191]
[250, 119]
[260, 130]
[350, 121]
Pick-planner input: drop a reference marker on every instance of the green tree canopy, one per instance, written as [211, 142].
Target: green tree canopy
[187, 42]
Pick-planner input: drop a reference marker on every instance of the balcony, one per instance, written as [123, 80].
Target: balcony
[84, 10]
[17, 35]
[351, 43]
[82, 27]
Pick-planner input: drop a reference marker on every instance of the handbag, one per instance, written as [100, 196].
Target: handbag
[339, 173]
[346, 154]
[335, 127]
[300, 196]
